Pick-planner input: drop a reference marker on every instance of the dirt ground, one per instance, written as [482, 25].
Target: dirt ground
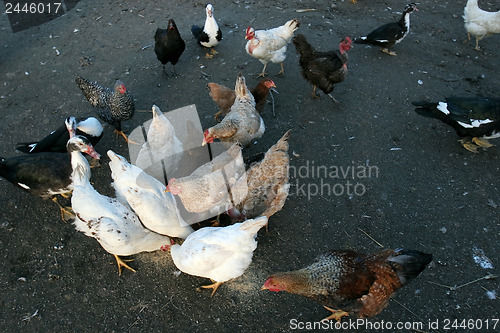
[425, 191]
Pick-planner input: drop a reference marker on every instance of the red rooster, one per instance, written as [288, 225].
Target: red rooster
[358, 284]
[322, 69]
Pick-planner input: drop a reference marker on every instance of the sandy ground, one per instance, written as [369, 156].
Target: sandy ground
[428, 192]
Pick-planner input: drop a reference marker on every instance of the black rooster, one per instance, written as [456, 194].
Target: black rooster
[169, 45]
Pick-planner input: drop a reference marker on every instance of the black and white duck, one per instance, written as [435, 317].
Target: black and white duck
[472, 117]
[47, 174]
[390, 34]
[210, 35]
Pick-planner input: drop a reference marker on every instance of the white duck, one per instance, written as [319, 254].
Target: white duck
[145, 194]
[113, 224]
[162, 149]
[218, 253]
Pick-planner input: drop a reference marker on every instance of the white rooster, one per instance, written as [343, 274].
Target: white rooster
[270, 45]
[480, 23]
[145, 194]
[218, 253]
[113, 224]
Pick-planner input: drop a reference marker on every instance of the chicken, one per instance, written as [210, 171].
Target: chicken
[162, 151]
[243, 123]
[472, 117]
[113, 105]
[156, 209]
[480, 23]
[169, 45]
[358, 284]
[114, 225]
[56, 141]
[224, 97]
[267, 184]
[270, 45]
[218, 253]
[390, 34]
[210, 35]
[207, 189]
[322, 69]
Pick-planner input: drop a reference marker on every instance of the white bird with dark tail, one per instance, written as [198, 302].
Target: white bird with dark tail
[390, 34]
[480, 23]
[113, 105]
[218, 253]
[145, 194]
[56, 141]
[47, 174]
[210, 35]
[270, 45]
[114, 225]
[471, 117]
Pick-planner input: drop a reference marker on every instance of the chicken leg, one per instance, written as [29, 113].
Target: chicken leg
[482, 142]
[121, 263]
[282, 71]
[213, 286]
[263, 72]
[389, 52]
[120, 133]
[336, 314]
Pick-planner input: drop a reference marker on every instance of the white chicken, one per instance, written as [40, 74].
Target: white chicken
[163, 150]
[145, 194]
[206, 190]
[480, 23]
[270, 45]
[113, 224]
[218, 253]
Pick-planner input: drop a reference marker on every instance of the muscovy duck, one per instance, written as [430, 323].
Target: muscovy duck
[390, 34]
[471, 117]
[169, 45]
[210, 35]
[113, 105]
[114, 225]
[56, 141]
[47, 174]
[145, 194]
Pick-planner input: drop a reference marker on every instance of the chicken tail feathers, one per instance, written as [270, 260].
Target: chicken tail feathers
[254, 225]
[302, 46]
[282, 144]
[409, 263]
[196, 30]
[240, 88]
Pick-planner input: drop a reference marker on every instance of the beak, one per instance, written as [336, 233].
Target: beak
[264, 288]
[92, 152]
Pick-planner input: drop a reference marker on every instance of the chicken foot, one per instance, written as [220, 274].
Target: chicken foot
[389, 52]
[120, 133]
[336, 314]
[121, 263]
[213, 286]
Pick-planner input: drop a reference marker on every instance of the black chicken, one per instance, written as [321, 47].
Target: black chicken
[169, 45]
[322, 69]
[390, 34]
[471, 117]
[114, 105]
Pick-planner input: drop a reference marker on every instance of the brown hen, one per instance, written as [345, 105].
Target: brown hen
[224, 97]
[358, 284]
[267, 184]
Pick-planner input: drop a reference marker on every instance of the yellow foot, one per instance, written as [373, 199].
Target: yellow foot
[336, 314]
[208, 56]
[282, 71]
[389, 52]
[213, 52]
[470, 146]
[66, 212]
[125, 137]
[262, 74]
[482, 142]
[121, 263]
[94, 163]
[213, 286]
[354, 1]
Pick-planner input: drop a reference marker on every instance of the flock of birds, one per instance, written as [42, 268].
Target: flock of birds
[146, 215]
